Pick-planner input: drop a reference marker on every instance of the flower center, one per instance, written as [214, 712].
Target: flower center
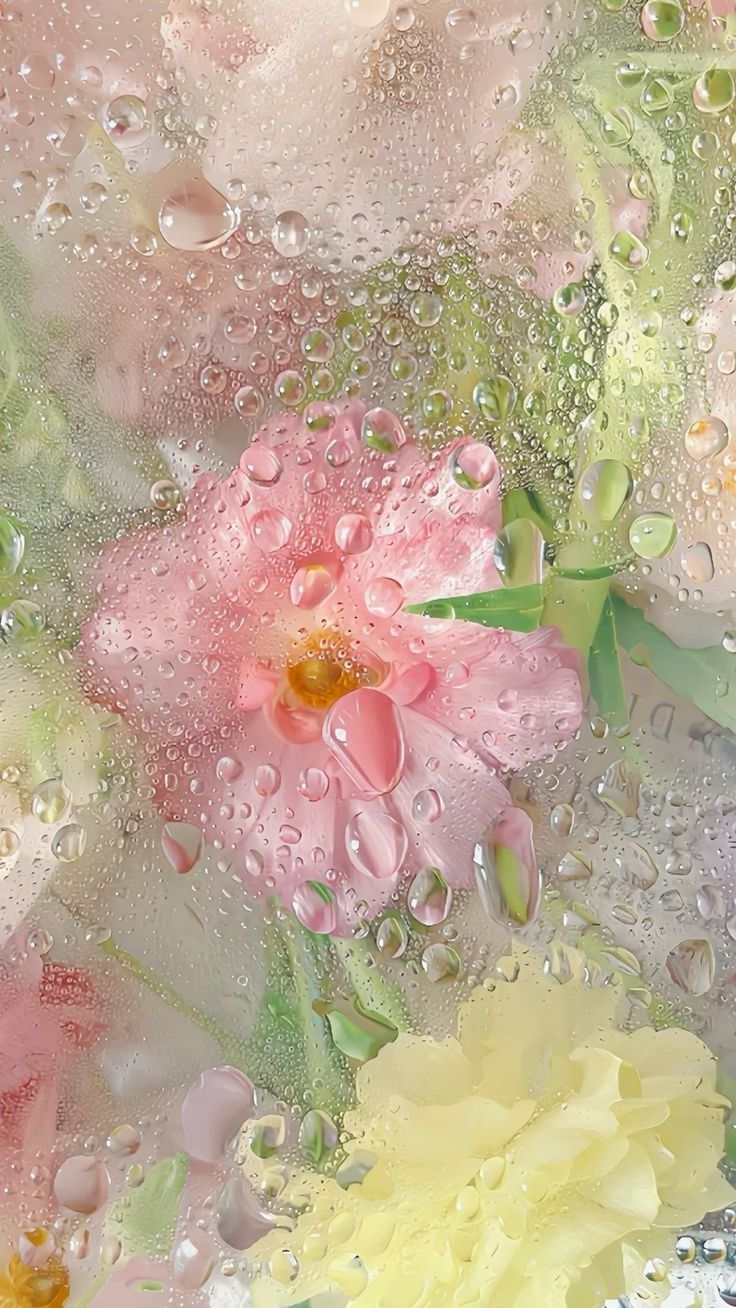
[328, 669]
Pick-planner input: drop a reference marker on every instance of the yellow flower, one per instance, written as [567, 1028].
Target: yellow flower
[34, 1287]
[509, 1164]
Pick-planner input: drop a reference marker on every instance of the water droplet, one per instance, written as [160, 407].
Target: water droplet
[318, 1136]
[562, 819]
[126, 121]
[271, 530]
[506, 872]
[9, 842]
[353, 533]
[311, 586]
[574, 866]
[570, 299]
[69, 843]
[384, 597]
[376, 844]
[706, 438]
[618, 788]
[725, 275]
[429, 897]
[697, 562]
[367, 13]
[638, 866]
[426, 806]
[261, 465]
[518, 553]
[495, 397]
[12, 544]
[441, 963]
[714, 91]
[474, 465]
[290, 234]
[662, 20]
[691, 964]
[22, 621]
[652, 535]
[51, 801]
[425, 309]
[604, 488]
[392, 936]
[617, 126]
[628, 251]
[314, 906]
[380, 429]
[364, 732]
[196, 217]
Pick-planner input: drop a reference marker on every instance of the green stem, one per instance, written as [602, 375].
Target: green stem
[236, 1050]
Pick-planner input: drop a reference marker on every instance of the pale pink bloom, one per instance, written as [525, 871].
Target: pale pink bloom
[287, 702]
[369, 132]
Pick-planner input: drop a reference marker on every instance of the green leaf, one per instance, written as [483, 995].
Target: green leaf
[518, 608]
[144, 1219]
[706, 677]
[524, 502]
[604, 671]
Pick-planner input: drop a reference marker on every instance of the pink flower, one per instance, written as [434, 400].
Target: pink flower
[287, 702]
[47, 1010]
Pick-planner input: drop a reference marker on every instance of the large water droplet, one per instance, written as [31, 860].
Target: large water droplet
[51, 801]
[495, 397]
[662, 20]
[506, 872]
[429, 897]
[376, 843]
[474, 465]
[604, 488]
[12, 544]
[290, 234]
[518, 553]
[697, 562]
[126, 121]
[692, 965]
[364, 733]
[706, 438]
[652, 535]
[196, 217]
[314, 906]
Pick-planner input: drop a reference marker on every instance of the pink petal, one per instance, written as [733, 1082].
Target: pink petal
[257, 685]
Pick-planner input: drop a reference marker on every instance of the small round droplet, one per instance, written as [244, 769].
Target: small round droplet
[126, 121]
[290, 234]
